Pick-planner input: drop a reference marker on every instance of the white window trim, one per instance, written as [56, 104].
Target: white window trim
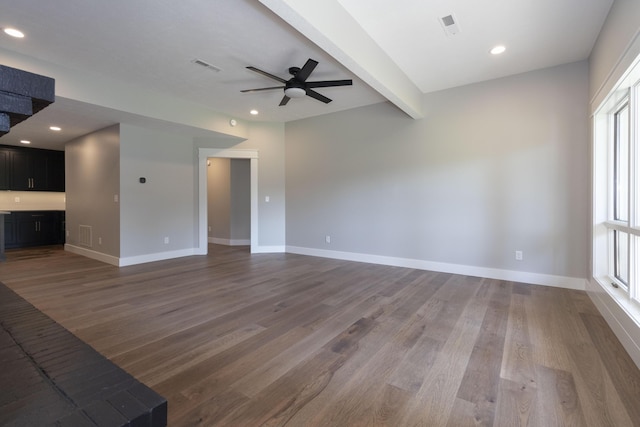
[603, 133]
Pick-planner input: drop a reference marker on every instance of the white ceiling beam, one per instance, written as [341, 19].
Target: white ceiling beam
[327, 24]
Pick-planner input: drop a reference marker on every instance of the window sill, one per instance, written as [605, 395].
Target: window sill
[621, 298]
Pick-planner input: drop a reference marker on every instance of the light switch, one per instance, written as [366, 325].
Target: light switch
[266, 199]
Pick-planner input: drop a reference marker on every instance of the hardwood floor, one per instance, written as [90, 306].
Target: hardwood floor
[279, 339]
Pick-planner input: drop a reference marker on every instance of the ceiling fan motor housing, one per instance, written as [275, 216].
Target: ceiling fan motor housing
[294, 89]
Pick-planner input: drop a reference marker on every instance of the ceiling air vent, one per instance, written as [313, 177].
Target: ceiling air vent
[206, 65]
[450, 25]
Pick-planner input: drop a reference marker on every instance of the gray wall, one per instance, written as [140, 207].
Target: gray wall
[92, 179]
[165, 205]
[219, 198]
[615, 49]
[228, 197]
[494, 167]
[240, 199]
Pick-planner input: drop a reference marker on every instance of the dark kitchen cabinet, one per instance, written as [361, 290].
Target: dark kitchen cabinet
[5, 169]
[34, 228]
[9, 232]
[55, 171]
[29, 169]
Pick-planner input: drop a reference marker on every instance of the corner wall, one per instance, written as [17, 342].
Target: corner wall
[156, 217]
[618, 44]
[494, 167]
[92, 179]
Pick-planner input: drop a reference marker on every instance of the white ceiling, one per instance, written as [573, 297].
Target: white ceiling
[392, 50]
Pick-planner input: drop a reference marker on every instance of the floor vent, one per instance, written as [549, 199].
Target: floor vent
[84, 235]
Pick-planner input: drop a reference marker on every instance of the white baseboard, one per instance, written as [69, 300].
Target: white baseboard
[159, 256]
[268, 250]
[229, 242]
[467, 270]
[109, 259]
[618, 318]
[123, 262]
[491, 273]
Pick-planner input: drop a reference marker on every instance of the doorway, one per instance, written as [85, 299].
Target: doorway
[229, 201]
[203, 155]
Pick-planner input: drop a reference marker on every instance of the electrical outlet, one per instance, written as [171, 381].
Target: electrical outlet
[209, 228]
[99, 240]
[115, 198]
[327, 239]
[267, 199]
[519, 256]
[16, 199]
[166, 240]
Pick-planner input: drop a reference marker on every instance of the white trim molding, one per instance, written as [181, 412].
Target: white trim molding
[268, 250]
[618, 317]
[467, 270]
[158, 256]
[123, 262]
[229, 242]
[109, 259]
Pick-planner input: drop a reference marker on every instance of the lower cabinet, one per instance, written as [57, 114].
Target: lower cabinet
[33, 228]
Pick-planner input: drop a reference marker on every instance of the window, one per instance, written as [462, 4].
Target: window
[616, 236]
[620, 191]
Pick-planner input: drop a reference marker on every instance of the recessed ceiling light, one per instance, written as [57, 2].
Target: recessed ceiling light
[14, 33]
[24, 141]
[254, 112]
[55, 128]
[497, 50]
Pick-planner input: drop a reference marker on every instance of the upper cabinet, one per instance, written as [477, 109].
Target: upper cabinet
[5, 169]
[30, 169]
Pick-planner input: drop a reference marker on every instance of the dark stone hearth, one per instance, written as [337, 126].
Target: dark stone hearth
[50, 377]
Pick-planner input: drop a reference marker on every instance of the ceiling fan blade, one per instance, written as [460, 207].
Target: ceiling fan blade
[316, 95]
[284, 101]
[330, 83]
[261, 89]
[305, 71]
[264, 73]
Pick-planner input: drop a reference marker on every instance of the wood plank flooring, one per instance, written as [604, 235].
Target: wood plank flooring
[233, 339]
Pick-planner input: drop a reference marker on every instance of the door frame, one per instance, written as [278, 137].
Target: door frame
[225, 153]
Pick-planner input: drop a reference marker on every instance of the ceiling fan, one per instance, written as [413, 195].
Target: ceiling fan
[298, 86]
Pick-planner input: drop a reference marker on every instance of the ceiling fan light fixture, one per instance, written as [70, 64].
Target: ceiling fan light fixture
[295, 92]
